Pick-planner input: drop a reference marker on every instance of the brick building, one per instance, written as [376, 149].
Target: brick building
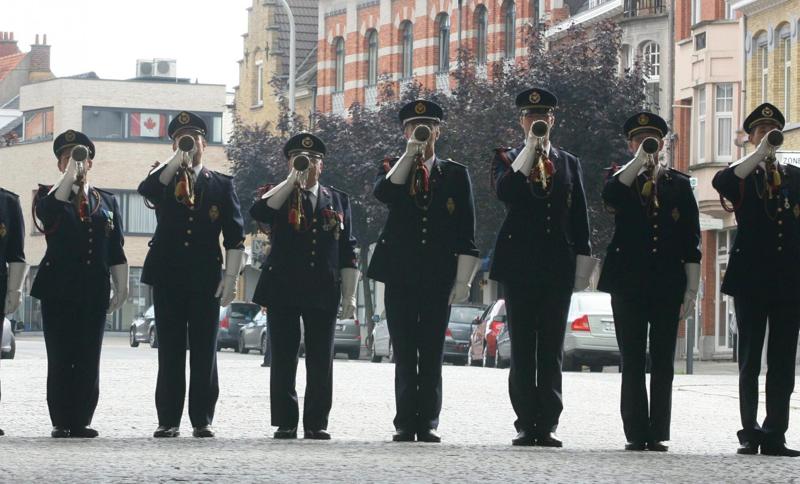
[363, 41]
[266, 55]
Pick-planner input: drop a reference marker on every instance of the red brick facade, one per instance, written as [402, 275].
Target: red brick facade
[386, 17]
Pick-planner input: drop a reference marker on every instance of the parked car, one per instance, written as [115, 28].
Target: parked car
[590, 339]
[254, 335]
[347, 338]
[231, 319]
[502, 358]
[8, 346]
[483, 342]
[143, 329]
[459, 330]
[381, 343]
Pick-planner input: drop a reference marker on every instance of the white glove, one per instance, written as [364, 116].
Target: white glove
[169, 169]
[119, 277]
[399, 172]
[277, 195]
[743, 167]
[628, 173]
[692, 285]
[16, 275]
[226, 291]
[523, 163]
[63, 188]
[467, 268]
[584, 267]
[349, 285]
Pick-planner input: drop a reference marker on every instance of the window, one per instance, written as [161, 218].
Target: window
[700, 41]
[625, 61]
[762, 65]
[443, 24]
[723, 113]
[339, 46]
[697, 13]
[510, 19]
[372, 58]
[651, 55]
[259, 87]
[701, 123]
[481, 30]
[38, 125]
[407, 50]
[140, 124]
[137, 218]
[785, 41]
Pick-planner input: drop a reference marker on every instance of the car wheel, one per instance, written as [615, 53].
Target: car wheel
[11, 353]
[264, 345]
[488, 361]
[153, 338]
[462, 361]
[134, 343]
[242, 349]
[353, 354]
[391, 353]
[596, 368]
[569, 364]
[374, 358]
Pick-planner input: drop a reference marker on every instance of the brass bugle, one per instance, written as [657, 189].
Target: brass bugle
[186, 144]
[650, 145]
[422, 133]
[539, 129]
[79, 153]
[301, 162]
[775, 138]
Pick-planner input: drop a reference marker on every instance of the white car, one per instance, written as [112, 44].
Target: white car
[381, 343]
[591, 338]
[9, 343]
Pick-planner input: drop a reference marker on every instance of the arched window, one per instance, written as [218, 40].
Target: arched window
[443, 25]
[407, 50]
[339, 44]
[481, 34]
[372, 57]
[510, 19]
[761, 65]
[784, 60]
[651, 55]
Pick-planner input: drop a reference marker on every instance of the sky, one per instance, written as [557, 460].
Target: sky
[108, 36]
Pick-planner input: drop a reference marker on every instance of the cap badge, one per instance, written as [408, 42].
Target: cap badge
[420, 108]
[535, 97]
[184, 118]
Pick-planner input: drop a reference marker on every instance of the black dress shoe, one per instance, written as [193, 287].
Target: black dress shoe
[83, 432]
[635, 446]
[203, 432]
[428, 435]
[747, 448]
[403, 436]
[779, 450]
[549, 440]
[264, 365]
[59, 433]
[657, 446]
[2, 433]
[524, 438]
[285, 433]
[317, 435]
[165, 431]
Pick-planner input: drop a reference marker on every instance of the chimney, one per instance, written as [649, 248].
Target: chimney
[8, 46]
[40, 55]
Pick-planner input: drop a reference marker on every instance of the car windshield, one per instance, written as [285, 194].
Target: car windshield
[245, 310]
[464, 314]
[150, 313]
[598, 303]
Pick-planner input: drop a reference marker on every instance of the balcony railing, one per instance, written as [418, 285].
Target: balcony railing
[643, 8]
[338, 103]
[443, 82]
[371, 97]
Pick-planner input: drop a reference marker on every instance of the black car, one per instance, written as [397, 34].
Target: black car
[459, 330]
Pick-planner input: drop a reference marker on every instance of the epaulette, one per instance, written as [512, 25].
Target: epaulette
[9, 193]
[455, 162]
[335, 189]
[611, 170]
[45, 188]
[101, 190]
[388, 163]
[568, 152]
[260, 191]
[223, 175]
[679, 173]
[502, 153]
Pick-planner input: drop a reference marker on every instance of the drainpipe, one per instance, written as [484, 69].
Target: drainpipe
[460, 6]
[671, 91]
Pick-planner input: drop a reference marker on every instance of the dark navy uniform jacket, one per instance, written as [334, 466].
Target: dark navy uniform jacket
[185, 249]
[79, 254]
[765, 259]
[12, 239]
[541, 235]
[421, 246]
[303, 267]
[651, 245]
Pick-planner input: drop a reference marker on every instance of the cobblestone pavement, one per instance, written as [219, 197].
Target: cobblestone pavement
[476, 426]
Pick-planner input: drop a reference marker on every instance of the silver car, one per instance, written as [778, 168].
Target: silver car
[231, 319]
[143, 329]
[459, 331]
[381, 343]
[591, 339]
[347, 338]
[254, 335]
[8, 346]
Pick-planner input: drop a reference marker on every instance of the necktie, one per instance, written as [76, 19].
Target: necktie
[308, 207]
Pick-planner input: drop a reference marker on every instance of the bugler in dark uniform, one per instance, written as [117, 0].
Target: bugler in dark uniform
[12, 254]
[312, 260]
[193, 205]
[763, 276]
[83, 228]
[426, 256]
[652, 271]
[542, 253]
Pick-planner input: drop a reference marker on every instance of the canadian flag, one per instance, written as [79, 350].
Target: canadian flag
[148, 125]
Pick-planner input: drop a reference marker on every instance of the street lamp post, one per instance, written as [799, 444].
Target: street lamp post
[292, 40]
